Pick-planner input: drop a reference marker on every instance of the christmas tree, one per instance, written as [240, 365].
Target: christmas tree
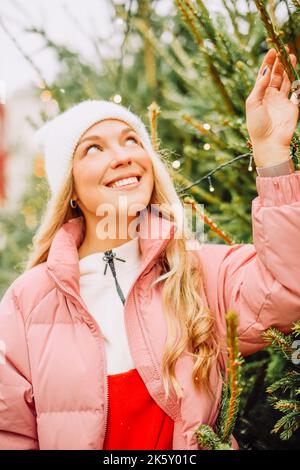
[192, 69]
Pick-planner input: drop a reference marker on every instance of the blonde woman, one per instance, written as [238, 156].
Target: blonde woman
[113, 337]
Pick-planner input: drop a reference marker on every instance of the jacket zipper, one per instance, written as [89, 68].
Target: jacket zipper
[98, 330]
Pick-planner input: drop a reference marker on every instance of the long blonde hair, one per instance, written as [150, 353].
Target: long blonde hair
[183, 291]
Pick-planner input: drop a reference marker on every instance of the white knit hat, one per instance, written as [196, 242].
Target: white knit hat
[58, 138]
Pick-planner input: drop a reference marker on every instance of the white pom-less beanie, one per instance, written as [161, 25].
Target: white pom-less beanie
[58, 138]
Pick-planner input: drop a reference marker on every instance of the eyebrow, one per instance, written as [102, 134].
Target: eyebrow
[124, 131]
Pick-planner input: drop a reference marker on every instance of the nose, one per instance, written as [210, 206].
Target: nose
[120, 158]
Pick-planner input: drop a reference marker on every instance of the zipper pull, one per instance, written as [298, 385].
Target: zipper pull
[108, 258]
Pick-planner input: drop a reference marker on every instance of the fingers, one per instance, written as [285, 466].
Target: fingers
[270, 75]
[263, 78]
[277, 74]
[286, 84]
[268, 61]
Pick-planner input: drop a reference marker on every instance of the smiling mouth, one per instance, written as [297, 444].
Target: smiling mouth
[126, 183]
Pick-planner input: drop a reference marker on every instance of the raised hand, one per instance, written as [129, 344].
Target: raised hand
[271, 116]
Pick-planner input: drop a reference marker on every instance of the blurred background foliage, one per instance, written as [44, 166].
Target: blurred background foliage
[199, 67]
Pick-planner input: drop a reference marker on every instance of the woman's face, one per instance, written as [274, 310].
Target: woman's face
[108, 152]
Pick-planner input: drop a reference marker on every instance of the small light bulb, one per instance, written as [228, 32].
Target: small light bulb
[166, 37]
[250, 164]
[117, 99]
[119, 21]
[206, 146]
[211, 188]
[46, 95]
[176, 164]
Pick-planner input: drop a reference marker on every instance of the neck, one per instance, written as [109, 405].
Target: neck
[98, 238]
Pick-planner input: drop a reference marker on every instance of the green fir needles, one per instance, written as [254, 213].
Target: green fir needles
[220, 439]
[284, 393]
[275, 39]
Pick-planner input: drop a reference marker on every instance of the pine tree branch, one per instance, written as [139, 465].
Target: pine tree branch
[208, 439]
[144, 29]
[230, 399]
[290, 424]
[149, 57]
[189, 16]
[296, 3]
[296, 328]
[208, 221]
[154, 112]
[201, 129]
[186, 61]
[233, 17]
[24, 54]
[233, 366]
[274, 38]
[214, 35]
[289, 381]
[280, 341]
[293, 29]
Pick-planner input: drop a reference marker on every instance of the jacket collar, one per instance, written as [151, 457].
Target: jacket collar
[155, 232]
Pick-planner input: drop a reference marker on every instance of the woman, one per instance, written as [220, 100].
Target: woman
[91, 355]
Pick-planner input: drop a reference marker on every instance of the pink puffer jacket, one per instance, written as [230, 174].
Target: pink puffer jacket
[53, 380]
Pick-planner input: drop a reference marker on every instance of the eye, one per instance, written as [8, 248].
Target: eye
[92, 146]
[131, 137]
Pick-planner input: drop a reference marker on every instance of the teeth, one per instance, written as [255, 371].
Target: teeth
[124, 182]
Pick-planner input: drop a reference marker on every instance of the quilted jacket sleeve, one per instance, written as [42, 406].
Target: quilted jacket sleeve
[260, 281]
[17, 411]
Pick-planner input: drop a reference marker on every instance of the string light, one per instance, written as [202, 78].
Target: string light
[39, 166]
[176, 164]
[30, 221]
[117, 99]
[250, 163]
[119, 24]
[29, 214]
[166, 37]
[218, 168]
[46, 95]
[206, 126]
[211, 188]
[206, 146]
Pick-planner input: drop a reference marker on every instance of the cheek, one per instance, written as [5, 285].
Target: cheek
[146, 163]
[89, 172]
[87, 175]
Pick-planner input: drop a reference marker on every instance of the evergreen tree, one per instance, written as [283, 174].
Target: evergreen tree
[199, 68]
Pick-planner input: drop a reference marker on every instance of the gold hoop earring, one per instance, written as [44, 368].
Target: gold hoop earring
[72, 203]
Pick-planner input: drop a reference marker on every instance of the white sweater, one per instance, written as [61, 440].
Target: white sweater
[101, 297]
